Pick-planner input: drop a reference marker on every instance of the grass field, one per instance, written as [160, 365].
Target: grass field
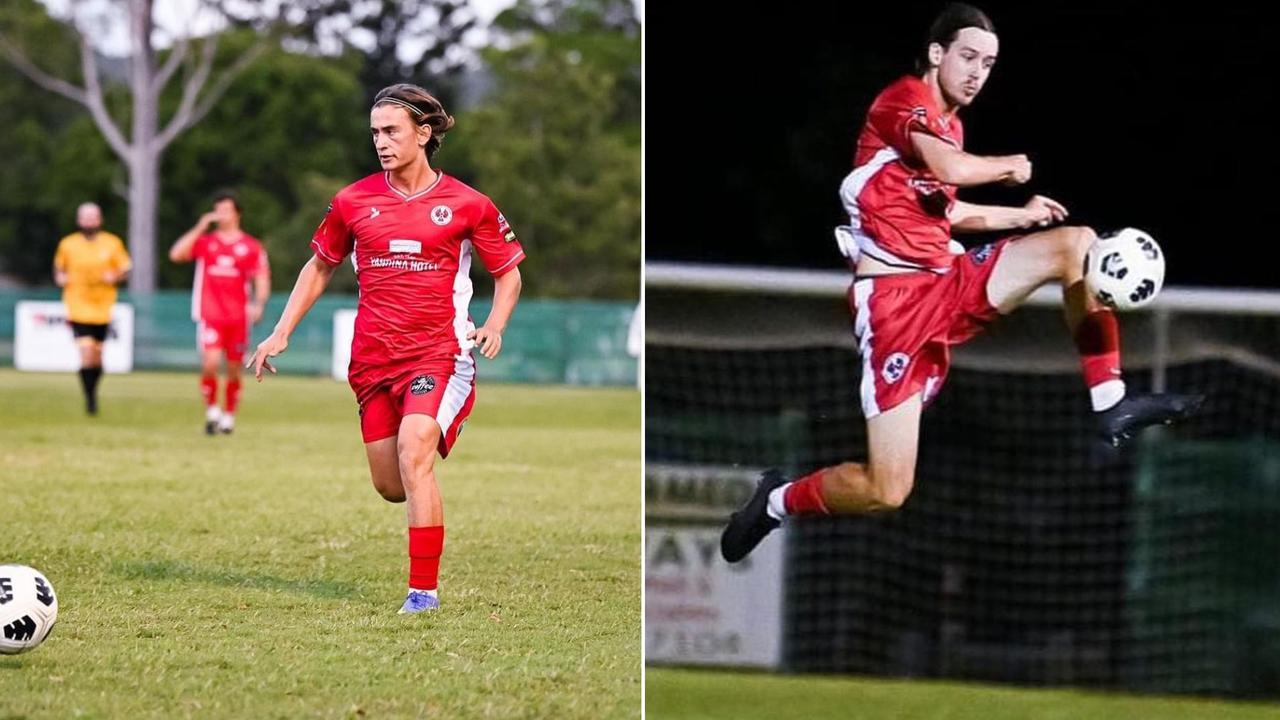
[706, 695]
[258, 575]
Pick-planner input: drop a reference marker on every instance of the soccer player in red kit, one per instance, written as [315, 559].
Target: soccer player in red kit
[914, 296]
[410, 231]
[227, 261]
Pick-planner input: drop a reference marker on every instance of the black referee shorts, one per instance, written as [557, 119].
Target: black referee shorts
[97, 332]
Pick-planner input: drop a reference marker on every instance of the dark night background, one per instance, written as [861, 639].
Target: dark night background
[1137, 114]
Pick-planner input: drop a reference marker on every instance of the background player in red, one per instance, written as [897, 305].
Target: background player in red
[227, 260]
[410, 231]
[916, 293]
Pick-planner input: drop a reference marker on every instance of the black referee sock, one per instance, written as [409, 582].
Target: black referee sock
[89, 382]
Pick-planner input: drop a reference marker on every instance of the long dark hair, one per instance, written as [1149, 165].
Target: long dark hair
[423, 109]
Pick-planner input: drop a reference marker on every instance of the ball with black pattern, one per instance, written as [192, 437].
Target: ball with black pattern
[28, 608]
[1124, 270]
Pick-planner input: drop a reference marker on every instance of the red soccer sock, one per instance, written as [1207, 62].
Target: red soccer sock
[1098, 342]
[425, 546]
[804, 496]
[233, 396]
[209, 389]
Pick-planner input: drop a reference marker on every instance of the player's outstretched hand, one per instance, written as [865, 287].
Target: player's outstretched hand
[269, 348]
[489, 341]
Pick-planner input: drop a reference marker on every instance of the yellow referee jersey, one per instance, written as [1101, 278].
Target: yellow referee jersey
[87, 295]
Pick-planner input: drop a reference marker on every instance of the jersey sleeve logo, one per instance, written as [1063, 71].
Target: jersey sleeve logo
[441, 215]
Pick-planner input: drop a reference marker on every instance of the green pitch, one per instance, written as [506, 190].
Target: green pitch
[258, 575]
[699, 695]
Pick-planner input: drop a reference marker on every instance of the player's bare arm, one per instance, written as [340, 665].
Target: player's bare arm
[506, 291]
[957, 167]
[181, 250]
[261, 293]
[311, 283]
[1040, 211]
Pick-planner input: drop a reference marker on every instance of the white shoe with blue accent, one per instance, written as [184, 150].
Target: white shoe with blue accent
[418, 601]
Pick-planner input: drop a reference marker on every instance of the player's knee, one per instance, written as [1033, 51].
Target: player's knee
[895, 496]
[409, 449]
[416, 454]
[391, 492]
[893, 487]
[1077, 240]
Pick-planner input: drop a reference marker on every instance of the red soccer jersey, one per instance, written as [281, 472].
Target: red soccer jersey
[223, 271]
[896, 205]
[412, 256]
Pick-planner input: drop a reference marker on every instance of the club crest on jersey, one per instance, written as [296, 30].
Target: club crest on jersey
[422, 385]
[441, 215]
[895, 367]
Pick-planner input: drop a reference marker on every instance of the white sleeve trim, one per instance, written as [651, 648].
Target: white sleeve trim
[504, 265]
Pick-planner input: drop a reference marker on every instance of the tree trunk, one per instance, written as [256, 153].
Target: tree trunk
[144, 165]
[144, 194]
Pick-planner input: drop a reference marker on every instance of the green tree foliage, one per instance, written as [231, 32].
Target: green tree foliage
[555, 143]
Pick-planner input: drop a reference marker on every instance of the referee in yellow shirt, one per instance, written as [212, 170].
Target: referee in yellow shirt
[87, 267]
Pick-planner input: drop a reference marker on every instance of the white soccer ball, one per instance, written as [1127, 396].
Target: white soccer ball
[1124, 269]
[28, 608]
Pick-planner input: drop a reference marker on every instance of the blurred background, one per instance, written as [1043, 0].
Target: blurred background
[256, 573]
[1015, 561]
[271, 99]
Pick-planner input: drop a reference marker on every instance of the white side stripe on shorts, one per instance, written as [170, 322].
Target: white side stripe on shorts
[457, 391]
[862, 290]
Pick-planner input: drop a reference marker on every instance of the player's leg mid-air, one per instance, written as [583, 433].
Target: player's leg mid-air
[1014, 268]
